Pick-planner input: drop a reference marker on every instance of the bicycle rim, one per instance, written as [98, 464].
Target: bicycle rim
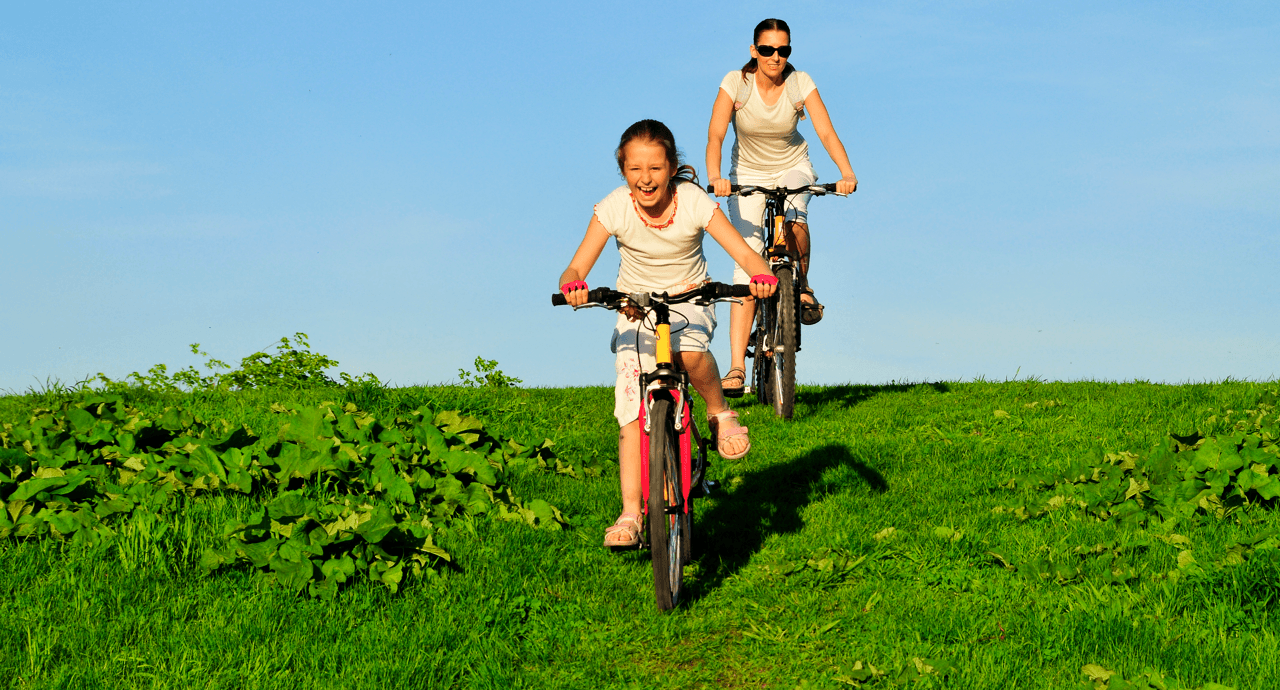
[668, 524]
[784, 352]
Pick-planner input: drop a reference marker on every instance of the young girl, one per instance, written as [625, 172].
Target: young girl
[765, 100]
[657, 219]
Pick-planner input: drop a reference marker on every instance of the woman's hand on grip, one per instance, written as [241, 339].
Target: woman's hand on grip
[847, 185]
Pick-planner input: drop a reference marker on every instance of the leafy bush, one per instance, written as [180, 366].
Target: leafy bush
[487, 374]
[292, 365]
[77, 473]
[1182, 477]
[1231, 466]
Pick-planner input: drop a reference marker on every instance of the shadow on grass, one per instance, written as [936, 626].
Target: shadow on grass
[850, 395]
[766, 502]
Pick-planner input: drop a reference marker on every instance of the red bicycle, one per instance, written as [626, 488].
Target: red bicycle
[673, 450]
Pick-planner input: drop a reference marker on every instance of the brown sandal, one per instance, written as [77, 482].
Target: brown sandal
[810, 312]
[734, 391]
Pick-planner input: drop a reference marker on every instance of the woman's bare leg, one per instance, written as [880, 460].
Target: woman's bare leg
[741, 317]
[798, 242]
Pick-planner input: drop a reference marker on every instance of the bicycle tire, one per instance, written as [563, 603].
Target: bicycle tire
[668, 525]
[762, 365]
[786, 344]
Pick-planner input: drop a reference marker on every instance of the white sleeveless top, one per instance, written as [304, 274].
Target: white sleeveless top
[765, 136]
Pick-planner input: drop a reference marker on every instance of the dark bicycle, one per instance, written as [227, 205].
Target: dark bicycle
[673, 450]
[776, 338]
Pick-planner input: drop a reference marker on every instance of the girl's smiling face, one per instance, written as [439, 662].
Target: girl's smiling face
[773, 65]
[648, 174]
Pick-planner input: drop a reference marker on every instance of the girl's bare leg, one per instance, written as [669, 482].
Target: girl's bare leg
[705, 377]
[629, 466]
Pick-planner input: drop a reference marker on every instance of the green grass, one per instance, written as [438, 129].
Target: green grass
[791, 585]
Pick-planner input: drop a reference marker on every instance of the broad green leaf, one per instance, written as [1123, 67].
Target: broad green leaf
[28, 489]
[379, 524]
[289, 505]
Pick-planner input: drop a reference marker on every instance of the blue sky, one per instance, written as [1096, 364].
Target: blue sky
[1070, 191]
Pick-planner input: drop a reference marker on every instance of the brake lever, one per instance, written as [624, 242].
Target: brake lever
[589, 305]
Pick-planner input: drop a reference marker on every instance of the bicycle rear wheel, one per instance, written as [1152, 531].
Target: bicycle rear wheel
[786, 342]
[668, 523]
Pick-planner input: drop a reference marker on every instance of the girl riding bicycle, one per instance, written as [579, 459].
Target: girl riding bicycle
[657, 220]
[766, 100]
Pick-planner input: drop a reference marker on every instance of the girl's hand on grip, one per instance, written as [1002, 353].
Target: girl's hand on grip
[763, 285]
[575, 292]
[723, 186]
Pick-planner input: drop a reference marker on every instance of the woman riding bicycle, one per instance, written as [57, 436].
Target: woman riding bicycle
[657, 220]
[766, 100]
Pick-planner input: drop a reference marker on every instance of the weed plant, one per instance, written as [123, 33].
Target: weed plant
[872, 541]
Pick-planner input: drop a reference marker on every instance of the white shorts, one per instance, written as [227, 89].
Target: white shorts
[692, 327]
[747, 213]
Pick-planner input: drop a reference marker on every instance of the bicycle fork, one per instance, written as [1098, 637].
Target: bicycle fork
[659, 382]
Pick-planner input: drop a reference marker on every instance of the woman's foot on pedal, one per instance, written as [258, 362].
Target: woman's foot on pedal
[731, 437]
[733, 383]
[810, 309]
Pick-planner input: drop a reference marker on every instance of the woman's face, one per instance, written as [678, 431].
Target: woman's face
[773, 65]
[644, 164]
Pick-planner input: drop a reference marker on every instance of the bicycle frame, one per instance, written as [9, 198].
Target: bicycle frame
[667, 380]
[777, 253]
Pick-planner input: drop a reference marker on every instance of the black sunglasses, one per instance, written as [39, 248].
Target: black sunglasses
[767, 51]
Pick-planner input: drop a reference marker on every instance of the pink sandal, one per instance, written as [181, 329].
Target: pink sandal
[721, 436]
[624, 532]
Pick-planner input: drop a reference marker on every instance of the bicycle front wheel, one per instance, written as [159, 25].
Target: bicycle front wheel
[785, 344]
[762, 366]
[668, 524]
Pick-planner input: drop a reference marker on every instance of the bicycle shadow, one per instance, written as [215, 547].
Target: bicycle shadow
[849, 395]
[766, 502]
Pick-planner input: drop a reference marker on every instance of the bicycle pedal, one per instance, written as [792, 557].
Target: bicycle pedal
[704, 488]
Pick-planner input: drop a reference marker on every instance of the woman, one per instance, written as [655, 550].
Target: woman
[657, 219]
[766, 100]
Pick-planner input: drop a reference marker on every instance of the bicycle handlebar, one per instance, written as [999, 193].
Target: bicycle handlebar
[749, 189]
[609, 297]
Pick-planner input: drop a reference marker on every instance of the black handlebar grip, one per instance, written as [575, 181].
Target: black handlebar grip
[723, 290]
[733, 188]
[600, 295]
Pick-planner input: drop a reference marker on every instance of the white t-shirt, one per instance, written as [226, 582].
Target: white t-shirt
[658, 259]
[765, 136]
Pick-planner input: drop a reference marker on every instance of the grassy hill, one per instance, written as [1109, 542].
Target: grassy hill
[924, 535]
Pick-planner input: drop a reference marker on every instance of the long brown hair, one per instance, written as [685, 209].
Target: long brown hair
[768, 25]
[658, 133]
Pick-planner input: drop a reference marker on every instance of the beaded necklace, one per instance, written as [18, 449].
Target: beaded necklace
[675, 206]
